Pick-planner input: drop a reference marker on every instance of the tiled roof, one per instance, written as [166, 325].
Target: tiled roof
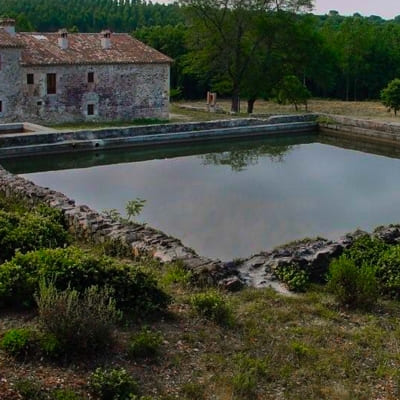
[6, 40]
[86, 48]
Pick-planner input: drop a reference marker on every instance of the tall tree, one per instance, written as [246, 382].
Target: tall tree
[226, 35]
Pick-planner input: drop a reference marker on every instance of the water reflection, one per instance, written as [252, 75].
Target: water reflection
[232, 199]
[240, 159]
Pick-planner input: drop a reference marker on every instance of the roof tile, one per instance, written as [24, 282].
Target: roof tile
[85, 48]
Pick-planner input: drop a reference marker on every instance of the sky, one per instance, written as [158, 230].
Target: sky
[385, 8]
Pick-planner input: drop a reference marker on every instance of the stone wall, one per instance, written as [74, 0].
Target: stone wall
[10, 83]
[119, 92]
[133, 240]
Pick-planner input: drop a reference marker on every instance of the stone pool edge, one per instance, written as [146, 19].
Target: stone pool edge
[257, 270]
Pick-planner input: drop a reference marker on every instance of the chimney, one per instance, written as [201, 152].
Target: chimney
[106, 39]
[8, 24]
[63, 39]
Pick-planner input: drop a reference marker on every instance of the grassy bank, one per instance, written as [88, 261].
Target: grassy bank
[254, 344]
[360, 109]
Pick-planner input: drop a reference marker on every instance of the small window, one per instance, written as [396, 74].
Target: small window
[90, 109]
[51, 84]
[30, 80]
[39, 103]
[90, 77]
[1, 106]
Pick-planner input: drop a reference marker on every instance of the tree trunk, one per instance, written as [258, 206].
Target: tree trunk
[250, 105]
[235, 108]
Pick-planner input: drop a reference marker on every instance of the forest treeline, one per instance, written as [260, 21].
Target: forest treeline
[350, 58]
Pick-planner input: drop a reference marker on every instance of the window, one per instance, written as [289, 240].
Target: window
[1, 107]
[1, 62]
[90, 77]
[30, 80]
[90, 109]
[51, 84]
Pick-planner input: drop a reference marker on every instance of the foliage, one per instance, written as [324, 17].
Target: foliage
[17, 342]
[176, 273]
[79, 323]
[145, 344]
[390, 96]
[212, 305]
[30, 389]
[65, 394]
[353, 286]
[133, 209]
[388, 271]
[135, 291]
[113, 384]
[226, 38]
[292, 91]
[29, 231]
[249, 369]
[383, 258]
[296, 278]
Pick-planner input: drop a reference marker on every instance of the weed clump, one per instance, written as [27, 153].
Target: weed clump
[113, 384]
[146, 344]
[213, 306]
[295, 278]
[76, 323]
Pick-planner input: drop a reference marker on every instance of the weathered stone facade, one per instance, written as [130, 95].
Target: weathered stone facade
[121, 80]
[119, 92]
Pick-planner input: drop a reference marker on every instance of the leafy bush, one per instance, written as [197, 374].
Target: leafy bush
[212, 305]
[65, 394]
[50, 345]
[388, 271]
[295, 278]
[145, 344]
[30, 389]
[135, 291]
[352, 285]
[29, 231]
[384, 258]
[113, 384]
[77, 323]
[366, 251]
[17, 342]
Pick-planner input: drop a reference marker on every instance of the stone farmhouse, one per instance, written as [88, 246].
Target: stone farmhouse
[68, 77]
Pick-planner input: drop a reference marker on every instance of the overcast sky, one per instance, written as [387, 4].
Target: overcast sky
[384, 8]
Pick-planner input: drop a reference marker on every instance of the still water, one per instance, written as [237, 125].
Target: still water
[234, 199]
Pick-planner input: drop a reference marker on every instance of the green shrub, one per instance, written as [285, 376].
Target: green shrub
[176, 273]
[65, 394]
[193, 391]
[78, 323]
[295, 278]
[30, 389]
[18, 342]
[135, 291]
[213, 306]
[366, 251]
[113, 384]
[388, 271]
[352, 285]
[29, 231]
[50, 345]
[145, 344]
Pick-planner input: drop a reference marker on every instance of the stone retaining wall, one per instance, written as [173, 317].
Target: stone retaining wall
[134, 239]
[370, 130]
